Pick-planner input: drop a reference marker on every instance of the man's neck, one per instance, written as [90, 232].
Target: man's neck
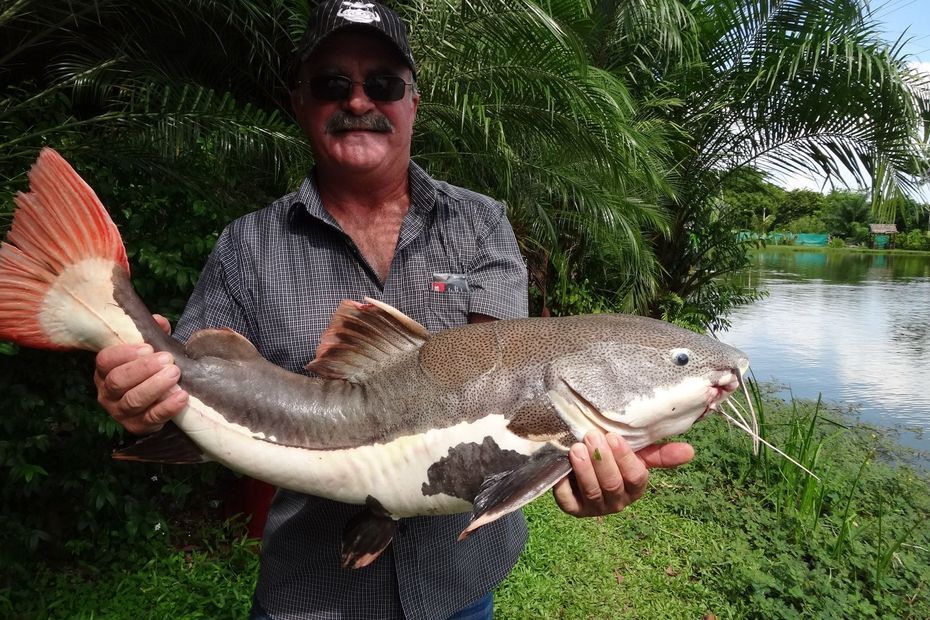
[370, 211]
[360, 193]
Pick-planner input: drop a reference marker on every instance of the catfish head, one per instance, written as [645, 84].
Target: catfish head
[641, 378]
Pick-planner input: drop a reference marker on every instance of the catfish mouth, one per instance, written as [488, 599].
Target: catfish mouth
[723, 384]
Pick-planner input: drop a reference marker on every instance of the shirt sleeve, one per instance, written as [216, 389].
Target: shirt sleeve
[497, 278]
[215, 301]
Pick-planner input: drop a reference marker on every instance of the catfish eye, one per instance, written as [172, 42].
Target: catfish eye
[681, 356]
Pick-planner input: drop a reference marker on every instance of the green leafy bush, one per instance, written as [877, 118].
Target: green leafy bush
[913, 240]
[807, 224]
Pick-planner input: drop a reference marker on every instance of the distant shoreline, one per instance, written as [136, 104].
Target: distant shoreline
[851, 249]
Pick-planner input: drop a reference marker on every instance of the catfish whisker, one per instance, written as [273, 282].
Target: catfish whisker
[739, 415]
[752, 415]
[752, 410]
[755, 436]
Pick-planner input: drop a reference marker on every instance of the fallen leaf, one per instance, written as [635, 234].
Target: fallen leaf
[671, 571]
[618, 576]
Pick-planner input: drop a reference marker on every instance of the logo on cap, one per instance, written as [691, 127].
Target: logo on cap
[359, 12]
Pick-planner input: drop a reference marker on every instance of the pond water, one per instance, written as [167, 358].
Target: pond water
[854, 327]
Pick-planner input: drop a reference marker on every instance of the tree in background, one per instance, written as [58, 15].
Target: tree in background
[754, 201]
[513, 108]
[801, 204]
[800, 86]
[847, 215]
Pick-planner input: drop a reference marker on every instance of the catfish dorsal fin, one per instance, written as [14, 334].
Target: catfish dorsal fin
[223, 343]
[363, 337]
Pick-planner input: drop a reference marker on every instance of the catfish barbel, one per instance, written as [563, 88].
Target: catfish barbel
[479, 418]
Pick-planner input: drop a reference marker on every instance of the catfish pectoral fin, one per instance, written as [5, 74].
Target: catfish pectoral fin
[367, 535]
[503, 493]
[169, 445]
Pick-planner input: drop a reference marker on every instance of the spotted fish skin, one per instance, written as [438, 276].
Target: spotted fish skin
[406, 423]
[506, 371]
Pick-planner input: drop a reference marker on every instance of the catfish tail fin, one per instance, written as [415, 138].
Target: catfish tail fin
[61, 265]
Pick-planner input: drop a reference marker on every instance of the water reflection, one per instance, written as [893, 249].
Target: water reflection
[854, 327]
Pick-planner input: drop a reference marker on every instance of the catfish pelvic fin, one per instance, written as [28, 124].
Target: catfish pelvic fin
[169, 445]
[364, 337]
[508, 491]
[223, 343]
[367, 535]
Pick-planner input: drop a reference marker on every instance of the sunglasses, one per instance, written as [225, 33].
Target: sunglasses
[339, 87]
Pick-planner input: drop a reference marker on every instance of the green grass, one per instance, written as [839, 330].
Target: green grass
[728, 534]
[162, 583]
[736, 537]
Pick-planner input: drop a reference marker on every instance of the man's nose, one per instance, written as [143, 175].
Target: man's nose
[358, 102]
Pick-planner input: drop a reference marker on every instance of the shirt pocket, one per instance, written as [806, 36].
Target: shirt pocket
[447, 309]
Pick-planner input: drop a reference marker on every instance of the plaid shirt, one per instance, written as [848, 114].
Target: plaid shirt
[276, 276]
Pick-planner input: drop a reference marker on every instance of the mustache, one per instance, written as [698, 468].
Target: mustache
[372, 121]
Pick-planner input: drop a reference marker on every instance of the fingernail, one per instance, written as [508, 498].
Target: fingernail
[164, 358]
[180, 397]
[613, 441]
[594, 439]
[144, 349]
[580, 452]
[172, 371]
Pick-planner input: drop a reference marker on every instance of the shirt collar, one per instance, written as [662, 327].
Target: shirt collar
[423, 190]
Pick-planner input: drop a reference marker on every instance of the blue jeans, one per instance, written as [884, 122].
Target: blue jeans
[482, 609]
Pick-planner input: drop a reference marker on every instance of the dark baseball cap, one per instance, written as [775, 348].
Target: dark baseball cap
[334, 15]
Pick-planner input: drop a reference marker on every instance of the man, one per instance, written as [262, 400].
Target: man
[365, 222]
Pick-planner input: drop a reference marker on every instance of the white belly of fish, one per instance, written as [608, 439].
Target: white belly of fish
[393, 472]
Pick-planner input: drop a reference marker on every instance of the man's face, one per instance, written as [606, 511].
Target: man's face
[356, 55]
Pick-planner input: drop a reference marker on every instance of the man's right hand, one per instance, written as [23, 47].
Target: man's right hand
[138, 387]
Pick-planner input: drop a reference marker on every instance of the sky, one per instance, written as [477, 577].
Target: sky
[910, 18]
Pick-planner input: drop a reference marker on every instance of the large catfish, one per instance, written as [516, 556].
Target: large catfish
[475, 418]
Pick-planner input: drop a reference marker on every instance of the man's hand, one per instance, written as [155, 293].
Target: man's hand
[138, 387]
[608, 476]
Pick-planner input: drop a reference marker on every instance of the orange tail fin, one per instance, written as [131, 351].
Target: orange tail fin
[57, 265]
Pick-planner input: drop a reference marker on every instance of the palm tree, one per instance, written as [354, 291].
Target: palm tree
[513, 106]
[794, 85]
[138, 84]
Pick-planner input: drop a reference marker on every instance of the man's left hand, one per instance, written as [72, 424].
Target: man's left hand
[608, 476]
